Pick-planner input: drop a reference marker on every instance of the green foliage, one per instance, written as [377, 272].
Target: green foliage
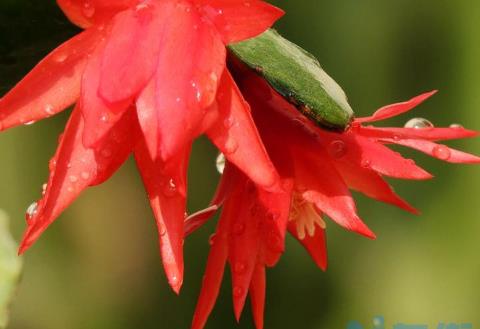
[10, 269]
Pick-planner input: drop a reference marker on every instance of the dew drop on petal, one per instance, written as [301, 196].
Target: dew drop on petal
[29, 123]
[366, 163]
[73, 178]
[228, 122]
[337, 149]
[212, 239]
[60, 57]
[239, 268]
[442, 152]
[44, 189]
[31, 211]
[231, 146]
[170, 189]
[88, 9]
[237, 291]
[238, 228]
[105, 117]
[49, 110]
[456, 126]
[162, 230]
[220, 163]
[85, 175]
[419, 123]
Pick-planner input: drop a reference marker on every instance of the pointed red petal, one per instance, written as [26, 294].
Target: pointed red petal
[238, 20]
[99, 115]
[131, 51]
[183, 92]
[257, 295]
[315, 245]
[52, 86]
[74, 168]
[371, 184]
[393, 110]
[165, 183]
[441, 152]
[375, 156]
[431, 134]
[85, 13]
[234, 133]
[326, 189]
[213, 276]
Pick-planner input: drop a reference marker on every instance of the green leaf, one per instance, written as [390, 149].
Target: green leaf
[298, 76]
[10, 269]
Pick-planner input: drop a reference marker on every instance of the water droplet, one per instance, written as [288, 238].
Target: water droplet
[85, 175]
[366, 163]
[49, 109]
[230, 146]
[419, 123]
[170, 188]
[228, 122]
[52, 164]
[29, 123]
[456, 126]
[73, 178]
[69, 165]
[246, 4]
[337, 149]
[237, 291]
[442, 152]
[273, 215]
[44, 188]
[239, 268]
[162, 230]
[60, 57]
[105, 117]
[174, 280]
[212, 239]
[238, 228]
[88, 9]
[396, 138]
[31, 210]
[178, 99]
[220, 163]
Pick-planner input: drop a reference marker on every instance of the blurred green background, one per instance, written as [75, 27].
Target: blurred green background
[98, 266]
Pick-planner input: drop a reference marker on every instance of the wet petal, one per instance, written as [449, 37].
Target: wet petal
[439, 151]
[238, 20]
[234, 133]
[257, 295]
[131, 51]
[431, 134]
[393, 110]
[184, 92]
[74, 168]
[52, 86]
[84, 13]
[165, 183]
[315, 245]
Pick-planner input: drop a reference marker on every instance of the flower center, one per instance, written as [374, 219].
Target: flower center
[306, 217]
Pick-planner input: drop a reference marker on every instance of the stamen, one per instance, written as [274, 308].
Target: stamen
[306, 217]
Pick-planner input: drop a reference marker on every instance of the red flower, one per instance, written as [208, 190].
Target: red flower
[144, 76]
[318, 168]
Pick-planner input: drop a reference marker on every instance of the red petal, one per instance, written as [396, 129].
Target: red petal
[131, 51]
[52, 86]
[213, 276]
[371, 184]
[165, 183]
[257, 295]
[393, 110]
[184, 91]
[326, 189]
[235, 135]
[74, 168]
[315, 245]
[432, 134]
[438, 151]
[85, 13]
[238, 20]
[99, 115]
[375, 156]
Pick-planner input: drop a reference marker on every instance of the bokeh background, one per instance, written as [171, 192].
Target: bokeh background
[98, 266]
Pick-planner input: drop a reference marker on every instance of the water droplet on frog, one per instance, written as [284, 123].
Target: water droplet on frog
[456, 126]
[419, 123]
[337, 149]
[442, 152]
[31, 211]
[220, 163]
[239, 268]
